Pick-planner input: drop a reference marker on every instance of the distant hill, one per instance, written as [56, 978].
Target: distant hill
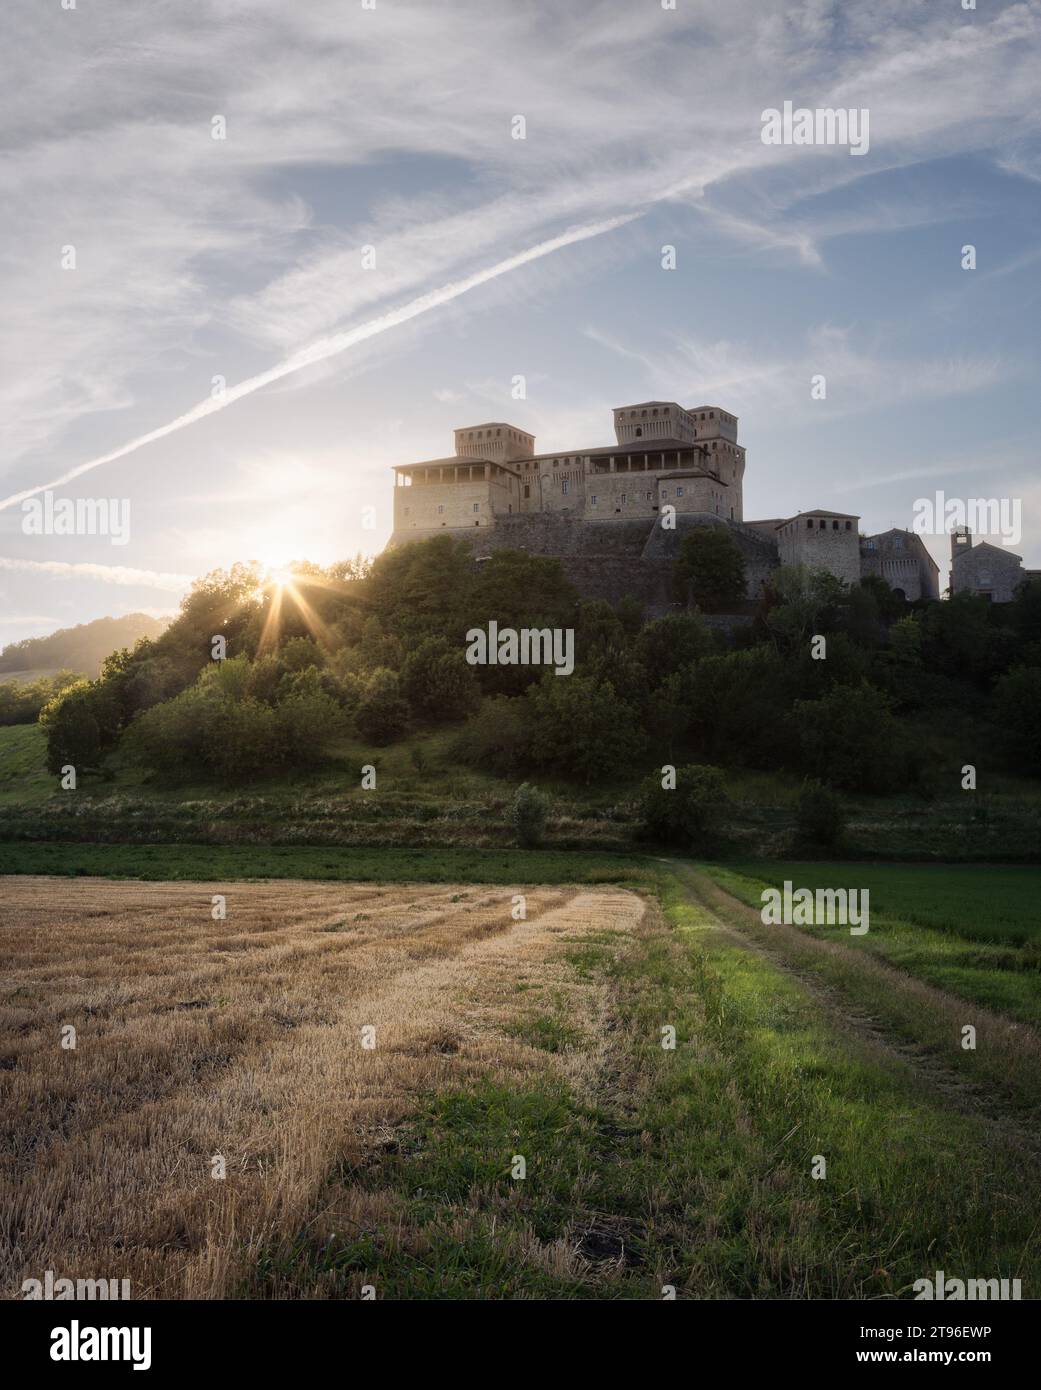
[81, 648]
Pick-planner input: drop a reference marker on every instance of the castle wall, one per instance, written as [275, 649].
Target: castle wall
[436, 506]
[984, 569]
[821, 542]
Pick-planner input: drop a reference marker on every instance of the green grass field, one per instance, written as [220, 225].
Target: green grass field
[972, 930]
[23, 772]
[211, 862]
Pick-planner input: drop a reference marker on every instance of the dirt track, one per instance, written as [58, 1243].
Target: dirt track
[243, 1038]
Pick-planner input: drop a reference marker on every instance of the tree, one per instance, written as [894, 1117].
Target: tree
[1017, 707]
[528, 816]
[810, 603]
[82, 724]
[418, 590]
[521, 590]
[739, 704]
[382, 714]
[73, 731]
[686, 813]
[888, 603]
[438, 683]
[710, 570]
[849, 738]
[498, 738]
[668, 644]
[579, 727]
[820, 817]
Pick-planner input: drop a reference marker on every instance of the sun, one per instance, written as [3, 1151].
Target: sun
[279, 577]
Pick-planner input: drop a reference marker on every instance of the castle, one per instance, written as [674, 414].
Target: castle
[615, 515]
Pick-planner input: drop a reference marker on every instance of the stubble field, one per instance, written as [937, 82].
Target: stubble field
[414, 1093]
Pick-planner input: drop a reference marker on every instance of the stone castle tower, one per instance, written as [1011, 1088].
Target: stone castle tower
[615, 514]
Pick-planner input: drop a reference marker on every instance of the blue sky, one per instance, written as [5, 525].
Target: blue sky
[390, 127]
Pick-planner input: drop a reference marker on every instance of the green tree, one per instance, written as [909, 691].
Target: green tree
[739, 703]
[710, 569]
[579, 727]
[685, 814]
[437, 682]
[1017, 709]
[668, 644]
[498, 738]
[382, 714]
[820, 816]
[849, 738]
[528, 816]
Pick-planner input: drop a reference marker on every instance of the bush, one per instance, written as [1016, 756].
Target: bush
[683, 815]
[382, 714]
[1017, 706]
[528, 816]
[438, 683]
[820, 816]
[849, 738]
[498, 738]
[710, 570]
[580, 728]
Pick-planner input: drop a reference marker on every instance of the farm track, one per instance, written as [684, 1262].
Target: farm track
[797, 953]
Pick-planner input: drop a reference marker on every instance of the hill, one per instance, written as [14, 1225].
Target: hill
[81, 648]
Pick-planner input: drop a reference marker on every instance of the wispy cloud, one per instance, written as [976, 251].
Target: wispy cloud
[122, 575]
[330, 347]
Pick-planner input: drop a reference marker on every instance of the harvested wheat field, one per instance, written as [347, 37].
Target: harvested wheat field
[243, 1039]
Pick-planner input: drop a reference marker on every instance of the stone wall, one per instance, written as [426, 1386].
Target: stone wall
[610, 559]
[985, 569]
[822, 542]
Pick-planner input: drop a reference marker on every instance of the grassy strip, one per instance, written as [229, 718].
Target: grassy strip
[976, 902]
[957, 928]
[691, 1167]
[210, 862]
[1006, 1061]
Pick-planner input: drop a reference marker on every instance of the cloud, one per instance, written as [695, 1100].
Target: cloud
[191, 251]
[105, 574]
[330, 347]
[860, 376]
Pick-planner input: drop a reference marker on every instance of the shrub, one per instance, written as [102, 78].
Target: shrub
[528, 816]
[710, 570]
[668, 644]
[1017, 706]
[438, 683]
[683, 815]
[820, 817]
[849, 738]
[580, 728]
[382, 714]
[498, 738]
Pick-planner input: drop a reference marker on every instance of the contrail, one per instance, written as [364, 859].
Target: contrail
[108, 574]
[331, 346]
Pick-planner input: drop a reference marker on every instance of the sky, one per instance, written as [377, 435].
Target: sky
[240, 336]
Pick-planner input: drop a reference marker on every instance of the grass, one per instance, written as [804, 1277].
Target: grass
[689, 1168]
[991, 903]
[235, 862]
[973, 932]
[427, 797]
[645, 1166]
[23, 772]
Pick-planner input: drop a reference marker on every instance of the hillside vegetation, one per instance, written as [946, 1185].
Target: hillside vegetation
[352, 684]
[82, 648]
